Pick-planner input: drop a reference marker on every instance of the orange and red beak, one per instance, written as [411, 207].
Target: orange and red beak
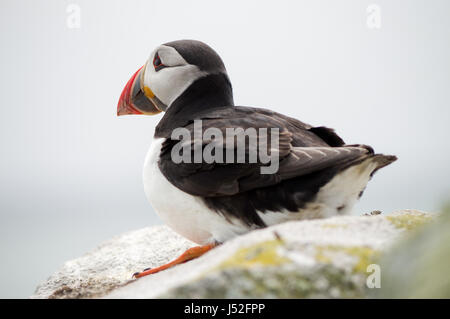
[136, 98]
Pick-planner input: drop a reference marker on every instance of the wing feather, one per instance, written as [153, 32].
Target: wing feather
[300, 152]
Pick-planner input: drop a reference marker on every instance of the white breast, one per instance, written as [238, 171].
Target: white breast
[184, 213]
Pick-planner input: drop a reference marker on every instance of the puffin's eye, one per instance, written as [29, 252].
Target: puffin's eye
[157, 63]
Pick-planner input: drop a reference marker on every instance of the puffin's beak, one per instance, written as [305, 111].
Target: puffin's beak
[133, 100]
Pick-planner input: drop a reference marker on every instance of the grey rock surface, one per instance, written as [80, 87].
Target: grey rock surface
[325, 258]
[113, 262]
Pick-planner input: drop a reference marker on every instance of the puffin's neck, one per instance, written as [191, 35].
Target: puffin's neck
[207, 93]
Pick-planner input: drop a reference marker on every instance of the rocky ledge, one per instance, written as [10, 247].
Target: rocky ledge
[337, 257]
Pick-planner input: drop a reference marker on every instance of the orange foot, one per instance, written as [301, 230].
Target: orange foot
[189, 254]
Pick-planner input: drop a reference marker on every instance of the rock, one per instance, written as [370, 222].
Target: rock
[326, 258]
[112, 263]
[419, 265]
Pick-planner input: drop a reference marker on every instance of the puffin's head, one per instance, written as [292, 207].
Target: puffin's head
[169, 71]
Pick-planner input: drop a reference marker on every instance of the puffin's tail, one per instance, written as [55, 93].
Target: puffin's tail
[382, 161]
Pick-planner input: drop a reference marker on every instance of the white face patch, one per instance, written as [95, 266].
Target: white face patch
[170, 82]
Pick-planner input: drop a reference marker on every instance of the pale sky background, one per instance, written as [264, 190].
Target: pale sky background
[71, 170]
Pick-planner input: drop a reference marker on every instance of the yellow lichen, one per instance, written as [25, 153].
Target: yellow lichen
[409, 221]
[364, 255]
[263, 253]
[334, 226]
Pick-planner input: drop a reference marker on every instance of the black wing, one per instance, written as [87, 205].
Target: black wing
[302, 150]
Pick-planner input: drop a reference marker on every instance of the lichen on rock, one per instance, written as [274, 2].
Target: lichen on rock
[326, 258]
[418, 266]
[409, 221]
[364, 256]
[261, 254]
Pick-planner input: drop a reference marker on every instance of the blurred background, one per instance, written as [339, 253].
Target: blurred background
[376, 71]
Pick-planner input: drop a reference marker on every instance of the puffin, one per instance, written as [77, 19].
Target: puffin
[210, 200]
